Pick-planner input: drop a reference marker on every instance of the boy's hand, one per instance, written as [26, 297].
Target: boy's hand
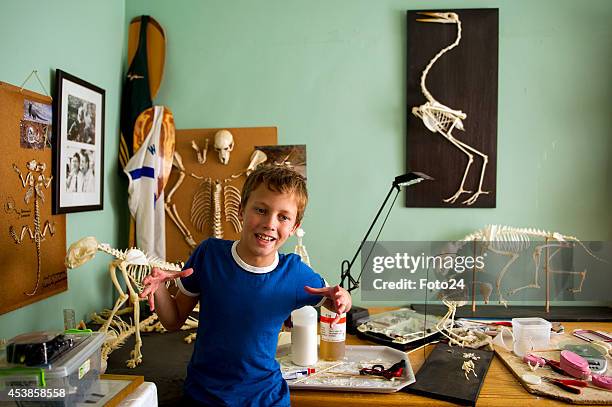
[156, 278]
[339, 296]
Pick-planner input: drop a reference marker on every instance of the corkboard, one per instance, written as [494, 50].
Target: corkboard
[519, 368]
[245, 140]
[19, 261]
[464, 78]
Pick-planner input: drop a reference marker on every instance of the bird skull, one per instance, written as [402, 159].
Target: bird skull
[224, 144]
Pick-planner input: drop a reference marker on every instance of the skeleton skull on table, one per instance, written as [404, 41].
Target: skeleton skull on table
[224, 144]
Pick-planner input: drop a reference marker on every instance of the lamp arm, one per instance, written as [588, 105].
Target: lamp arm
[346, 265]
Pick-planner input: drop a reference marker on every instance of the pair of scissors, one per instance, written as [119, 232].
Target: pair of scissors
[379, 370]
[571, 385]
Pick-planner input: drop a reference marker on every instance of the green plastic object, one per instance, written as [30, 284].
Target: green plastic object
[26, 371]
[78, 331]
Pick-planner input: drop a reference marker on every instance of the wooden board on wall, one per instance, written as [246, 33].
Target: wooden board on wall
[19, 261]
[245, 139]
[464, 78]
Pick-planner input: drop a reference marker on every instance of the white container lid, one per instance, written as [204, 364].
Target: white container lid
[531, 323]
[304, 316]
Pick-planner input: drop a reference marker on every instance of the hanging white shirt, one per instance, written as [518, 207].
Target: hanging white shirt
[146, 199]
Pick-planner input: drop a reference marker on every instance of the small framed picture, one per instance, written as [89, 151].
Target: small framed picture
[78, 160]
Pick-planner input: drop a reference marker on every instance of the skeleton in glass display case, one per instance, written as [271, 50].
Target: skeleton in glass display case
[511, 241]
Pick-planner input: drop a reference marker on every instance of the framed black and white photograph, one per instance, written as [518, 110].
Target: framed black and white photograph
[78, 160]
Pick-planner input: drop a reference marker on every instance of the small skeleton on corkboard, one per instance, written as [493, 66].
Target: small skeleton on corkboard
[34, 181]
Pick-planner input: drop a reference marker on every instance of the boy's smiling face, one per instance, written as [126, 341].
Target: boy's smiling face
[268, 219]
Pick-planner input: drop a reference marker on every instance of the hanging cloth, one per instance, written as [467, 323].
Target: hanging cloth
[146, 172]
[136, 96]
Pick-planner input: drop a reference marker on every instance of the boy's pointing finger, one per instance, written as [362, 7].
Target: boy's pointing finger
[185, 273]
[321, 291]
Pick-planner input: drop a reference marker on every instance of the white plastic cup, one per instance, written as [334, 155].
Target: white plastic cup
[304, 336]
[530, 334]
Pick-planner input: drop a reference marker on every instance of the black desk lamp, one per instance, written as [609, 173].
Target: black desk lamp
[345, 273]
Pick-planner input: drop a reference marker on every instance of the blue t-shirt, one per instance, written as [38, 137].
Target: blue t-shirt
[242, 309]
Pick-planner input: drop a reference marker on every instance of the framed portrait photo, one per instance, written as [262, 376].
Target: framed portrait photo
[78, 159]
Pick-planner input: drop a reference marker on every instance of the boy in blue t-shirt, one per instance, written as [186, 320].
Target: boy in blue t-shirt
[246, 290]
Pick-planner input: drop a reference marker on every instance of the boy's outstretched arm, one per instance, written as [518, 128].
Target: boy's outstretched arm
[338, 299]
[172, 311]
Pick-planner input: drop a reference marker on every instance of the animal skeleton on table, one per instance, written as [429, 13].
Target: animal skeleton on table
[35, 181]
[134, 265]
[511, 241]
[439, 118]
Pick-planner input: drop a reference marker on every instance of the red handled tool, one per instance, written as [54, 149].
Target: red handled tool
[567, 384]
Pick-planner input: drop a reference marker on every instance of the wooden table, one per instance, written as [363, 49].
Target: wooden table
[134, 382]
[500, 388]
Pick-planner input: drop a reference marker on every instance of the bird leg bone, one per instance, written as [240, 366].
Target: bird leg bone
[170, 207]
[201, 154]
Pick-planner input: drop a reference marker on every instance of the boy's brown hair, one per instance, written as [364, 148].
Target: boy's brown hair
[278, 179]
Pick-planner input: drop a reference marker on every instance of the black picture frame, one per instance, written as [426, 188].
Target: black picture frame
[78, 142]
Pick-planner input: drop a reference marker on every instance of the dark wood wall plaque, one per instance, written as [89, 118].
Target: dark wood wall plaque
[465, 79]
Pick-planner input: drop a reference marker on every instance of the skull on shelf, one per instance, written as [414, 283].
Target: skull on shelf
[224, 144]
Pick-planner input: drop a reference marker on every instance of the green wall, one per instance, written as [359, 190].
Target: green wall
[86, 39]
[331, 74]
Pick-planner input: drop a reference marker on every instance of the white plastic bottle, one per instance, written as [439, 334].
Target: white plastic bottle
[304, 336]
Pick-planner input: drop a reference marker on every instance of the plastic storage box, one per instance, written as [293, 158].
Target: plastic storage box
[530, 334]
[65, 382]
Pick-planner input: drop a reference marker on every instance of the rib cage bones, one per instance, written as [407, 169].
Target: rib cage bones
[206, 213]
